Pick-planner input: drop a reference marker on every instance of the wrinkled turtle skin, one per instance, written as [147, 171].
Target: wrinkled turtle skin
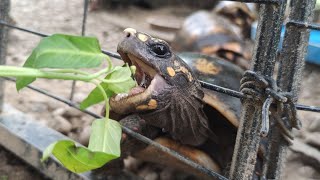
[213, 33]
[171, 107]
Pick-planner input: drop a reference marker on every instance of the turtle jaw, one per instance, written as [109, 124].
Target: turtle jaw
[150, 83]
[144, 72]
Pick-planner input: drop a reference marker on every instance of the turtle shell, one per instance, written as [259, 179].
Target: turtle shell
[213, 34]
[215, 70]
[238, 13]
[223, 111]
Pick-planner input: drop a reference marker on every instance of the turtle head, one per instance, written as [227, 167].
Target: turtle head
[153, 57]
[166, 87]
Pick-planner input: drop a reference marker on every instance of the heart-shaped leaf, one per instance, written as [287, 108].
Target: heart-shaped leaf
[104, 146]
[105, 136]
[63, 52]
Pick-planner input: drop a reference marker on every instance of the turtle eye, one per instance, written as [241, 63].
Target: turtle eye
[160, 50]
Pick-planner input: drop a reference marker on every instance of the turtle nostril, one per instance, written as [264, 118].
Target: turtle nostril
[129, 32]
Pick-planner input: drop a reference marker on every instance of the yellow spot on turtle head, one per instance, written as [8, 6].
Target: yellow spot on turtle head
[204, 66]
[152, 104]
[171, 71]
[143, 37]
[185, 71]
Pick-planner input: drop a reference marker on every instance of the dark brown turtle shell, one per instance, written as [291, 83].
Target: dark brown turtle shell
[223, 111]
[213, 34]
[220, 72]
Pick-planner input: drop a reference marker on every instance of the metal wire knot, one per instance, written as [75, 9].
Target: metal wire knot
[277, 104]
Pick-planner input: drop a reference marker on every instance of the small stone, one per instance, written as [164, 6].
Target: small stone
[84, 135]
[62, 125]
[313, 139]
[76, 122]
[79, 97]
[59, 112]
[314, 125]
[71, 112]
[306, 152]
[39, 107]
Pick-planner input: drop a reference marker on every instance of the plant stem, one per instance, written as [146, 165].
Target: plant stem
[106, 99]
[11, 71]
[74, 71]
[99, 73]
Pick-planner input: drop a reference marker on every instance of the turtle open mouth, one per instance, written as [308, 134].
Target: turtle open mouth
[144, 72]
[149, 81]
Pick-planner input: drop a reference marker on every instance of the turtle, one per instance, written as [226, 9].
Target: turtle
[214, 33]
[241, 14]
[170, 106]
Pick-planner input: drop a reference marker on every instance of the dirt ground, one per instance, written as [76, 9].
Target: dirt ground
[58, 16]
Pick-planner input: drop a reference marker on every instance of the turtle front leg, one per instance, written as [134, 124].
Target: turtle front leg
[129, 145]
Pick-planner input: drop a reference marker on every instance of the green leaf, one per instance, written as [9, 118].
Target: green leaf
[104, 146]
[105, 136]
[77, 159]
[123, 76]
[22, 82]
[123, 85]
[95, 96]
[66, 51]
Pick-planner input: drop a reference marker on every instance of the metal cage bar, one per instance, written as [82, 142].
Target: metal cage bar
[263, 61]
[292, 58]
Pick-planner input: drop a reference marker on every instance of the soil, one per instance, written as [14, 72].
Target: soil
[58, 16]
[12, 168]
